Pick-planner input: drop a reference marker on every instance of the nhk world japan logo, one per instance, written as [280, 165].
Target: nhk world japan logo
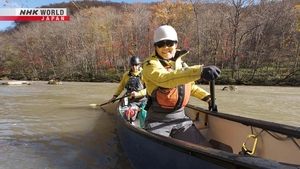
[34, 14]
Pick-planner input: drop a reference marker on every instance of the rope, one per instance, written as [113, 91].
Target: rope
[277, 137]
[293, 139]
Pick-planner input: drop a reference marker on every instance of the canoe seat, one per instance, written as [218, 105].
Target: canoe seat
[199, 118]
[200, 121]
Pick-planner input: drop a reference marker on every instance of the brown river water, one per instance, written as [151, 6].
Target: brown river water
[53, 127]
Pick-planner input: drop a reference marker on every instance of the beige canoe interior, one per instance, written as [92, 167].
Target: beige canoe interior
[234, 134]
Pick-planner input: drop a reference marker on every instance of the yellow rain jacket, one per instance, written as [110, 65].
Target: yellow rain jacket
[156, 75]
[124, 81]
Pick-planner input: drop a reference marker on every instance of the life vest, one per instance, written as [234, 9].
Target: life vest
[168, 100]
[134, 83]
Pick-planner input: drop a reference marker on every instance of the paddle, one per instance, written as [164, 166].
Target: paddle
[111, 101]
[213, 106]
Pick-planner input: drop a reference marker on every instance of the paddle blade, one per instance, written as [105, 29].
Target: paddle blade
[94, 105]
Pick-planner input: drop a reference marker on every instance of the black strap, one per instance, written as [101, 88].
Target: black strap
[149, 103]
[181, 94]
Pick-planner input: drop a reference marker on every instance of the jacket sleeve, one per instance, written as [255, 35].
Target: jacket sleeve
[158, 75]
[141, 93]
[199, 93]
[122, 84]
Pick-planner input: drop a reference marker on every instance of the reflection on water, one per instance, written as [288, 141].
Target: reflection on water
[45, 126]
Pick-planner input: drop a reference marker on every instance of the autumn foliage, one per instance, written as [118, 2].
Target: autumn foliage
[253, 43]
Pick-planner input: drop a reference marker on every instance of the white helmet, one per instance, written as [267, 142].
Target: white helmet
[165, 32]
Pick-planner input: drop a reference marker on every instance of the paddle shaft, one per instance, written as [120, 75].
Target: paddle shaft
[113, 100]
[212, 95]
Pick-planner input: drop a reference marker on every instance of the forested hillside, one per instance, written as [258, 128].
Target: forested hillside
[253, 43]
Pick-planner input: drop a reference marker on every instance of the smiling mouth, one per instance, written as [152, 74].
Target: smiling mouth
[166, 52]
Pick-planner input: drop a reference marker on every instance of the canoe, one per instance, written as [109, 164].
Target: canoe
[266, 144]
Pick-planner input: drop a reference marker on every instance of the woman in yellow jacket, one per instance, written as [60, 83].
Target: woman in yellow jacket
[170, 82]
[133, 83]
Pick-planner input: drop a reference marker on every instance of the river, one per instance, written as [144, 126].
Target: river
[53, 126]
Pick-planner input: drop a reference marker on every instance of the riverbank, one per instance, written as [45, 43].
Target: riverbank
[243, 77]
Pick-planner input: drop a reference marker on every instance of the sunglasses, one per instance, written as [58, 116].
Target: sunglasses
[168, 43]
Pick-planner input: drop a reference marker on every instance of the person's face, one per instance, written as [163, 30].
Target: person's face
[135, 67]
[166, 49]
